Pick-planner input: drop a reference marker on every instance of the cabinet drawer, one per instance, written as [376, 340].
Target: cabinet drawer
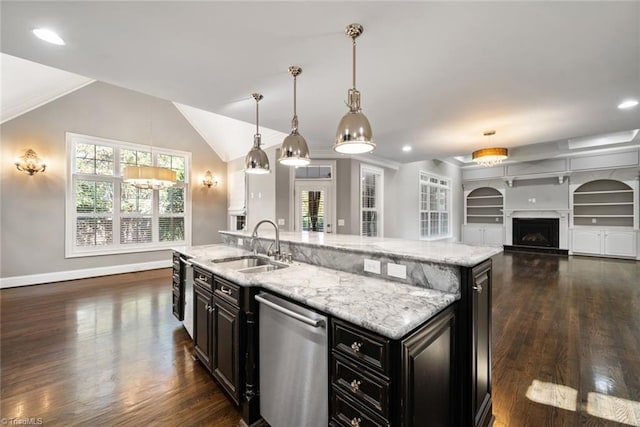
[346, 412]
[176, 261]
[358, 383]
[227, 290]
[203, 277]
[370, 349]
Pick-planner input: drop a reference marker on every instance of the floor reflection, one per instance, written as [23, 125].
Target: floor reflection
[599, 405]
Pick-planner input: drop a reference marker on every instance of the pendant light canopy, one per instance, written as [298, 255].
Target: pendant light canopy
[354, 133]
[256, 161]
[489, 157]
[294, 150]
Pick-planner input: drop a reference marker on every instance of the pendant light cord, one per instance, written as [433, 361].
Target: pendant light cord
[354, 62]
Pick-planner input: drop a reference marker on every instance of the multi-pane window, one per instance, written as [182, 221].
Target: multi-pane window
[434, 206]
[106, 214]
[371, 201]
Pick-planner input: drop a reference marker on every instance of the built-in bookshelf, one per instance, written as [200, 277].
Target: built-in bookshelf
[484, 206]
[604, 202]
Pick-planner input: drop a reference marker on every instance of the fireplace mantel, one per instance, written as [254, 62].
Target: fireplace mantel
[562, 214]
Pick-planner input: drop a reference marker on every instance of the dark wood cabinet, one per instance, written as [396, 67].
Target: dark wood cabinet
[428, 374]
[380, 382]
[178, 278]
[475, 338]
[226, 347]
[203, 317]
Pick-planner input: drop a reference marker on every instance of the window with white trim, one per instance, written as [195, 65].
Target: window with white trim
[435, 202]
[371, 182]
[105, 215]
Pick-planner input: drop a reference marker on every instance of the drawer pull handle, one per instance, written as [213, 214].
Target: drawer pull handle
[356, 346]
[225, 290]
[355, 422]
[200, 277]
[355, 385]
[478, 288]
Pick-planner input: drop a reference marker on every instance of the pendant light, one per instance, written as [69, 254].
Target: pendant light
[490, 157]
[354, 135]
[150, 177]
[294, 150]
[256, 162]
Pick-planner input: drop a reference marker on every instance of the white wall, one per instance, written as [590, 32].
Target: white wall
[33, 207]
[402, 197]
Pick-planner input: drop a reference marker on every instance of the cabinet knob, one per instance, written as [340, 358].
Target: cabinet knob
[225, 290]
[355, 421]
[355, 385]
[478, 288]
[356, 346]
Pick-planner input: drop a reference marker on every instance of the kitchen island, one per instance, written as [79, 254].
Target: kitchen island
[427, 321]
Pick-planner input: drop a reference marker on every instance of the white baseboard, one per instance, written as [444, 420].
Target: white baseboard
[58, 276]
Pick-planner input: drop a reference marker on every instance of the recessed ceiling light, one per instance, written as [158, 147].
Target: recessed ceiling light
[406, 148]
[49, 36]
[628, 104]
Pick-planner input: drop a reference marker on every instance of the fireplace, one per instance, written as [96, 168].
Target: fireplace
[536, 232]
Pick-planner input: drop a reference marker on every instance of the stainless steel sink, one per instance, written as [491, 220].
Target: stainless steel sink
[250, 264]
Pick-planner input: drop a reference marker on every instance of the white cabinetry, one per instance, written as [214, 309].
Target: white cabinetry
[604, 242]
[485, 235]
[604, 218]
[483, 217]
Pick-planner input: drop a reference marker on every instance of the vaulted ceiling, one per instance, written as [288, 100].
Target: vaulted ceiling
[433, 75]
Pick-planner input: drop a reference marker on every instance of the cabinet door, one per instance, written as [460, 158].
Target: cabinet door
[202, 325]
[473, 235]
[587, 241]
[428, 374]
[226, 352]
[620, 243]
[481, 344]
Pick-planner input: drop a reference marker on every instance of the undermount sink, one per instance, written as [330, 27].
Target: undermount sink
[250, 264]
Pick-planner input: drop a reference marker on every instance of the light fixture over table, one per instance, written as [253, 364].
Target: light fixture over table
[294, 150]
[30, 163]
[256, 161]
[492, 156]
[150, 177]
[354, 135]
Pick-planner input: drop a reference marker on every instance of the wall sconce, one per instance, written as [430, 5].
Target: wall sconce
[209, 180]
[30, 163]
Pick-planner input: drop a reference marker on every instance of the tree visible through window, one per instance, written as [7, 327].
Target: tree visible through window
[107, 215]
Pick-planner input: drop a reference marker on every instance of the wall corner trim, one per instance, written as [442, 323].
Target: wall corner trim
[58, 276]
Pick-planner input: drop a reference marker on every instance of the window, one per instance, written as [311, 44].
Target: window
[435, 195]
[106, 215]
[371, 180]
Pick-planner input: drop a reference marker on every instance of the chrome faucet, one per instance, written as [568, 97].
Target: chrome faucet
[254, 236]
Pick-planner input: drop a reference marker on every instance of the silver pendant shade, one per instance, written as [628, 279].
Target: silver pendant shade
[354, 135]
[256, 162]
[294, 150]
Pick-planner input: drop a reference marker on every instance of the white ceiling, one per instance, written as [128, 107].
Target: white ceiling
[26, 85]
[432, 74]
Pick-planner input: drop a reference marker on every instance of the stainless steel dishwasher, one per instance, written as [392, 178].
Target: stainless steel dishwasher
[293, 364]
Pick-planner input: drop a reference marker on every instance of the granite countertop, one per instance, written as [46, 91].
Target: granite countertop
[416, 250]
[389, 308]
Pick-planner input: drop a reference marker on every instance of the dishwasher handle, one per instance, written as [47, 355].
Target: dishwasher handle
[187, 262]
[316, 323]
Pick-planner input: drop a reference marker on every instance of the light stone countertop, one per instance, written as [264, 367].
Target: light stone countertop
[389, 308]
[441, 252]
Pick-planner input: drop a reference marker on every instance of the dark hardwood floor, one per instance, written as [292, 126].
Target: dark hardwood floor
[107, 351]
[572, 325]
[104, 351]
